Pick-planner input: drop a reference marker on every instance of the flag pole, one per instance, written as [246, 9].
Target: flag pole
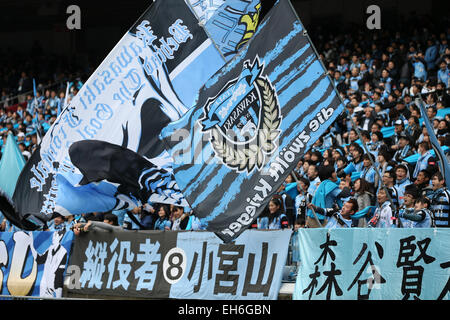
[305, 33]
[439, 153]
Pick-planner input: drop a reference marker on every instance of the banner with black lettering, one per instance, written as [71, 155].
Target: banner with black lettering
[151, 77]
[373, 264]
[34, 263]
[179, 265]
[253, 121]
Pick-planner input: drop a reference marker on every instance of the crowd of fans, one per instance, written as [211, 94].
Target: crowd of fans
[374, 167]
[32, 92]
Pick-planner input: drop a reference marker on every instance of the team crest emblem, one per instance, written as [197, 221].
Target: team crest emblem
[244, 119]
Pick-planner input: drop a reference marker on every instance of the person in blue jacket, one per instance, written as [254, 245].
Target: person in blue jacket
[420, 68]
[402, 180]
[424, 157]
[356, 163]
[275, 218]
[368, 171]
[163, 222]
[443, 74]
[431, 54]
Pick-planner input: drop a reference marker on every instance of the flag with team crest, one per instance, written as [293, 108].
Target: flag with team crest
[253, 121]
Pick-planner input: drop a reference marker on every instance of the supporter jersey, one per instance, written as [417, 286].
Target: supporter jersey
[406, 223]
[401, 189]
[368, 174]
[426, 222]
[300, 204]
[440, 206]
[280, 222]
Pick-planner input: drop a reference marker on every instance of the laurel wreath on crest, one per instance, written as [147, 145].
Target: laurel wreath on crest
[247, 156]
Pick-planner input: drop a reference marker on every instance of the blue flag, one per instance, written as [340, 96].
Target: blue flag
[233, 24]
[150, 78]
[439, 153]
[35, 105]
[253, 121]
[11, 165]
[39, 129]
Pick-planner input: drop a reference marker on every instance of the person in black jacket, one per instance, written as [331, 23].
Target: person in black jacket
[404, 149]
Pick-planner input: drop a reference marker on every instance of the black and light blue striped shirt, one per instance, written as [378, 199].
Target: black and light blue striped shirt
[440, 206]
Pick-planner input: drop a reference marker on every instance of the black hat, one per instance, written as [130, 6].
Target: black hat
[57, 214]
[403, 135]
[403, 166]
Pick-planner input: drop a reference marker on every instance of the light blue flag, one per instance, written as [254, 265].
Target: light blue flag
[35, 99]
[84, 199]
[442, 112]
[233, 24]
[11, 165]
[356, 175]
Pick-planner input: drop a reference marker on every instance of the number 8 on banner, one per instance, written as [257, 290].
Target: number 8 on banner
[174, 265]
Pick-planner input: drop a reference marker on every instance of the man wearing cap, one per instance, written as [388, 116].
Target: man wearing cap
[401, 108]
[399, 127]
[59, 222]
[404, 149]
[20, 137]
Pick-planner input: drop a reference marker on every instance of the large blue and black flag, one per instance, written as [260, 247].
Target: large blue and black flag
[253, 121]
[150, 78]
[103, 152]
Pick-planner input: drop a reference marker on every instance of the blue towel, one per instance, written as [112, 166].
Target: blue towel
[413, 158]
[366, 212]
[319, 198]
[291, 190]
